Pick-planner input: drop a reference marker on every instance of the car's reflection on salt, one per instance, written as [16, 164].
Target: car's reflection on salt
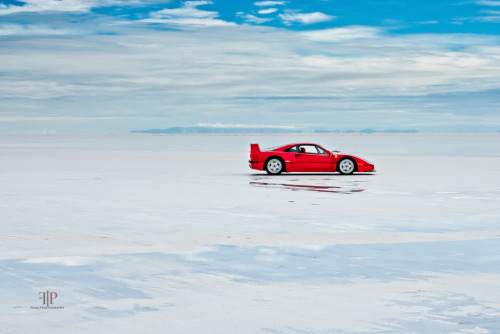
[323, 185]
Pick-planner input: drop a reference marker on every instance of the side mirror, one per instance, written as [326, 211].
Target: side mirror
[329, 153]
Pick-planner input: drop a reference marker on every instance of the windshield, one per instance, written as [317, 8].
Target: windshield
[321, 150]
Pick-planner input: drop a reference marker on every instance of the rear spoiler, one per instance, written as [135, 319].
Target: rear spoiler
[254, 149]
[254, 153]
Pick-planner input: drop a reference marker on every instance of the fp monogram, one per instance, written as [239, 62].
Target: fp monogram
[47, 297]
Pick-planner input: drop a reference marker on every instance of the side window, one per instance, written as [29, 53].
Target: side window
[293, 149]
[311, 149]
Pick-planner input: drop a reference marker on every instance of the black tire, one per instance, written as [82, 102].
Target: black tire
[346, 166]
[274, 166]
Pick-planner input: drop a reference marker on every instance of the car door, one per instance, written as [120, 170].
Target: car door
[291, 156]
[314, 158]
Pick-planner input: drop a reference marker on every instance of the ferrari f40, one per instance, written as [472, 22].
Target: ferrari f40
[305, 157]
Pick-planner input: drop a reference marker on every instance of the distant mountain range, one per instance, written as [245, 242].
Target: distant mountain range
[366, 131]
[209, 130]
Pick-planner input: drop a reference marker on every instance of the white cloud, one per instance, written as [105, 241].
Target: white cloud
[305, 18]
[488, 3]
[492, 16]
[54, 118]
[255, 19]
[429, 22]
[268, 10]
[65, 5]
[186, 68]
[268, 3]
[188, 10]
[208, 22]
[32, 30]
[206, 75]
[189, 14]
[342, 34]
[54, 6]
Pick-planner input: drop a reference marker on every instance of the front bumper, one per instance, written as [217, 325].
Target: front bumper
[366, 168]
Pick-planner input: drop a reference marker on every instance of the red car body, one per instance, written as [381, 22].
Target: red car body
[305, 157]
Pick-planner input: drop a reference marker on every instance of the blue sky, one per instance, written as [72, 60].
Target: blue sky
[111, 66]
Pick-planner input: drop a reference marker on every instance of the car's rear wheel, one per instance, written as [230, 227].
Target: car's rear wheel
[274, 166]
[346, 166]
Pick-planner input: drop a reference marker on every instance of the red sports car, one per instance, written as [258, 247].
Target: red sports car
[305, 157]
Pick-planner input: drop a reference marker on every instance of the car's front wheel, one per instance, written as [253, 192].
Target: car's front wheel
[274, 166]
[346, 166]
